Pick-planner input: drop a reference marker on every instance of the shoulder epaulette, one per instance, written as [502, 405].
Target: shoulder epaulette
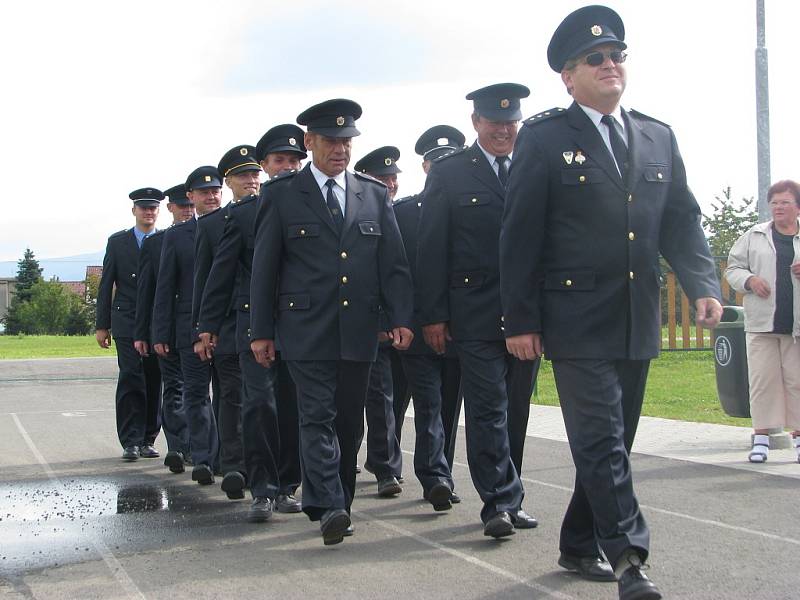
[368, 177]
[182, 223]
[450, 154]
[281, 177]
[208, 214]
[640, 115]
[245, 201]
[405, 200]
[545, 115]
[119, 233]
[159, 232]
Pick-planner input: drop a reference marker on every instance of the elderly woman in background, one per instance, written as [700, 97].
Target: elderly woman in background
[764, 264]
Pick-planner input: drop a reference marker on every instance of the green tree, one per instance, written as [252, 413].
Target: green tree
[53, 310]
[730, 219]
[28, 273]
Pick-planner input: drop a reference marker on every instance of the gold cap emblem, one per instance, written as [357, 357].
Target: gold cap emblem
[387, 162]
[243, 151]
[292, 142]
[596, 30]
[504, 103]
[340, 121]
[207, 178]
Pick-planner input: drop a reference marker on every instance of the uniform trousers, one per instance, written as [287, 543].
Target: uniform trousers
[203, 437]
[289, 428]
[330, 402]
[173, 417]
[424, 375]
[520, 381]
[450, 374]
[229, 420]
[384, 458]
[601, 401]
[773, 367]
[138, 396]
[484, 366]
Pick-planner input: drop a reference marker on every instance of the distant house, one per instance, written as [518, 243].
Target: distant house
[76, 287]
[8, 286]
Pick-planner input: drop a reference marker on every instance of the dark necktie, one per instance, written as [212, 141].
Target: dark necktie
[617, 144]
[502, 169]
[333, 205]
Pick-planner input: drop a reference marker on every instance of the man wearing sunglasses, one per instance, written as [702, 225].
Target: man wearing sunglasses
[595, 194]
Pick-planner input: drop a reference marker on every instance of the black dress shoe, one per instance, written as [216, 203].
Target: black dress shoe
[455, 498]
[203, 474]
[400, 479]
[260, 510]
[147, 451]
[439, 497]
[174, 461]
[592, 568]
[233, 485]
[634, 585]
[287, 503]
[523, 520]
[334, 524]
[130, 453]
[349, 531]
[358, 470]
[499, 526]
[388, 487]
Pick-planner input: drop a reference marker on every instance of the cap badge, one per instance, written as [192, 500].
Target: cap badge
[292, 142]
[442, 141]
[207, 178]
[567, 156]
[596, 30]
[387, 162]
[504, 103]
[243, 151]
[579, 158]
[340, 121]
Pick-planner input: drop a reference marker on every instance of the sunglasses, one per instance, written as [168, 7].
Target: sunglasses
[595, 59]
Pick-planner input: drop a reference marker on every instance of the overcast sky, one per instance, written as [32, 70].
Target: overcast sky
[105, 97]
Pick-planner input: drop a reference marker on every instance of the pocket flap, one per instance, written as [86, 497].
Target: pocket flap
[582, 176]
[570, 281]
[658, 173]
[294, 302]
[474, 199]
[467, 279]
[303, 230]
[369, 228]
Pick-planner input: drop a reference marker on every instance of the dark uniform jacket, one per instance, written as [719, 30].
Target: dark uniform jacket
[173, 300]
[458, 278]
[580, 246]
[120, 270]
[149, 259]
[209, 233]
[319, 291]
[230, 275]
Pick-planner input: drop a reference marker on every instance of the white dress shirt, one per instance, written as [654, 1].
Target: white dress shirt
[596, 115]
[493, 160]
[339, 190]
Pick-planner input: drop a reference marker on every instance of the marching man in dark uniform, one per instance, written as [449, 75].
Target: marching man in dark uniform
[172, 316]
[138, 397]
[458, 297]
[172, 418]
[269, 404]
[328, 257]
[433, 379]
[596, 193]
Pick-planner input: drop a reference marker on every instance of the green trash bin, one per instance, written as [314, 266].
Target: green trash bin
[730, 362]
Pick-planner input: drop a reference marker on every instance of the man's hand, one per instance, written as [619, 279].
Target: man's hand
[383, 336]
[758, 286]
[436, 336]
[142, 348]
[264, 352]
[103, 338]
[708, 312]
[527, 346]
[401, 337]
[161, 349]
[204, 348]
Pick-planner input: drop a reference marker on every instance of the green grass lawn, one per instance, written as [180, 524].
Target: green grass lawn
[50, 346]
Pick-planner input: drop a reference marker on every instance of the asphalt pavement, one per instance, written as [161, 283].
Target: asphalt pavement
[78, 522]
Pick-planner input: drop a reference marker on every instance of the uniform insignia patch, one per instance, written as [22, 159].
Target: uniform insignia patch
[340, 121]
[596, 30]
[567, 156]
[580, 158]
[243, 151]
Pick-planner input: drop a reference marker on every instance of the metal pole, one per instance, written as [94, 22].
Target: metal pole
[762, 113]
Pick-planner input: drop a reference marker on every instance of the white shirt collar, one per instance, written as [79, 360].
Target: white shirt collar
[596, 115]
[322, 179]
[489, 156]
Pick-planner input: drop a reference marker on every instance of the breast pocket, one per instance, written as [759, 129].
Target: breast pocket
[372, 228]
[582, 176]
[657, 173]
[302, 230]
[474, 199]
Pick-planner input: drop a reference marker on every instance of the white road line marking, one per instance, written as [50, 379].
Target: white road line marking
[55, 412]
[111, 561]
[465, 557]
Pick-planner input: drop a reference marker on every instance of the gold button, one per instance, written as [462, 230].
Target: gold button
[568, 282]
[466, 279]
[247, 306]
[302, 232]
[345, 303]
[630, 274]
[344, 279]
[474, 200]
[630, 198]
[582, 178]
[344, 255]
[660, 176]
[631, 236]
[291, 304]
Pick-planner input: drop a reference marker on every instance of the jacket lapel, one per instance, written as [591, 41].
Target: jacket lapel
[134, 247]
[638, 146]
[483, 171]
[588, 139]
[353, 202]
[313, 198]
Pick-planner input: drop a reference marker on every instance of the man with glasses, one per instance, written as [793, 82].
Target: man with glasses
[458, 298]
[595, 194]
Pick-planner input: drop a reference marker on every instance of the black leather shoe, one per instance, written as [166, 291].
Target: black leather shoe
[499, 526]
[349, 531]
[233, 485]
[334, 524]
[130, 453]
[174, 461]
[203, 474]
[523, 520]
[358, 470]
[400, 479]
[634, 585]
[388, 487]
[439, 497]
[455, 498]
[260, 510]
[592, 568]
[147, 451]
[287, 503]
